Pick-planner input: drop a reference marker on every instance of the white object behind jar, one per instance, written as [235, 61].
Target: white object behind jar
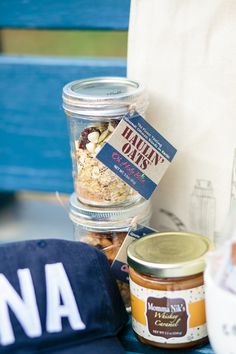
[220, 312]
[185, 54]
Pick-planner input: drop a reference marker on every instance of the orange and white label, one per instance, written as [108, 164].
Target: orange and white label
[168, 316]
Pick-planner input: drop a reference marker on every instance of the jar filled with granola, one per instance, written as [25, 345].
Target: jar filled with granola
[106, 228]
[94, 108]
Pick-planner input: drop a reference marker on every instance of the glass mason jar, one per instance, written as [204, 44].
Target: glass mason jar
[94, 108]
[106, 228]
[167, 289]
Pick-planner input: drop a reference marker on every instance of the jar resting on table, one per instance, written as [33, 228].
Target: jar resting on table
[167, 289]
[94, 108]
[106, 228]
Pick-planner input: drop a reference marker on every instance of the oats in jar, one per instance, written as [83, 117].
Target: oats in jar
[94, 108]
[106, 228]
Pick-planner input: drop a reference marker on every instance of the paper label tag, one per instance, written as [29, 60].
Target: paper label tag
[168, 316]
[119, 266]
[138, 154]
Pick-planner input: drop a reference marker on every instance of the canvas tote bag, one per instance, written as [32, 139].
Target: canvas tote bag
[184, 51]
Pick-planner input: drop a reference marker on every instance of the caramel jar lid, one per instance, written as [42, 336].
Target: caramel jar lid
[169, 254]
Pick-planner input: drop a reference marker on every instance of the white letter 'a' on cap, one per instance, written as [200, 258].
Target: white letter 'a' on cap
[25, 309]
[58, 287]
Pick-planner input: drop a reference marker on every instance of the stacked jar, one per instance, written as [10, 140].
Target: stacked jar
[94, 108]
[107, 228]
[103, 204]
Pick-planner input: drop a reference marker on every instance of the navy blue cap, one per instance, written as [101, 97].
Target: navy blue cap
[58, 296]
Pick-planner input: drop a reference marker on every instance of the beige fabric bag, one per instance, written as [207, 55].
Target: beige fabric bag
[185, 53]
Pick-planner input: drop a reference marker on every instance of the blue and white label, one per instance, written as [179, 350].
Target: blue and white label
[138, 154]
[119, 266]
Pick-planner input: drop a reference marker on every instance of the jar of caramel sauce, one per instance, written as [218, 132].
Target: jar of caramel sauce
[167, 289]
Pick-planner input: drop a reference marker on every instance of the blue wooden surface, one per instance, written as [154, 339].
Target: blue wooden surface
[132, 345]
[73, 14]
[34, 141]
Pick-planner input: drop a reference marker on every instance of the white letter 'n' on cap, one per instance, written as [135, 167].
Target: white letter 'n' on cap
[25, 309]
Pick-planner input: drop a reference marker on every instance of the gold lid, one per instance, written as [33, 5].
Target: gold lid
[169, 254]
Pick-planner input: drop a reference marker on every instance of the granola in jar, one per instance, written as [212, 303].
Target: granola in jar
[94, 182]
[94, 108]
[108, 242]
[106, 228]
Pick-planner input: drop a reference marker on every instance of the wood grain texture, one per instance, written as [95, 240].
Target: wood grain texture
[73, 14]
[34, 141]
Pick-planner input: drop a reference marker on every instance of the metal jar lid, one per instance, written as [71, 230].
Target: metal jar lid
[169, 254]
[112, 218]
[103, 97]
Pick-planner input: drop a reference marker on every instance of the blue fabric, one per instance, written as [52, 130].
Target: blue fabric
[132, 345]
[103, 346]
[95, 291]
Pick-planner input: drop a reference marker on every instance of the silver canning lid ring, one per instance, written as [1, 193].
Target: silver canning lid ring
[108, 218]
[104, 96]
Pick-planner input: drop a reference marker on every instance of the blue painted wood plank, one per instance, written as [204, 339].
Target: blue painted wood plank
[132, 345]
[34, 141]
[60, 14]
